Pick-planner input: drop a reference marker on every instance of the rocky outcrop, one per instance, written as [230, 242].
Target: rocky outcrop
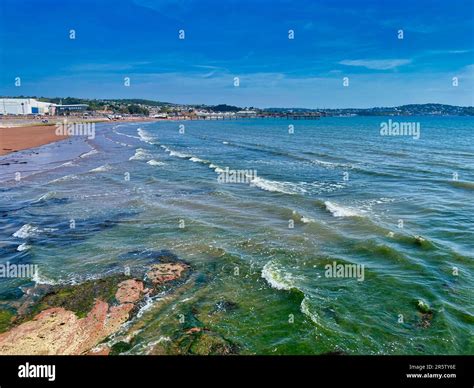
[60, 331]
[75, 319]
[425, 312]
[166, 272]
[129, 291]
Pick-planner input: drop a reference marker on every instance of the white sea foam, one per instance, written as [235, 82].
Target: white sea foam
[331, 165]
[321, 187]
[341, 211]
[26, 231]
[261, 183]
[324, 163]
[307, 220]
[216, 168]
[265, 184]
[23, 247]
[179, 154]
[67, 164]
[147, 305]
[149, 302]
[149, 347]
[65, 178]
[45, 197]
[154, 162]
[39, 279]
[304, 307]
[276, 277]
[145, 136]
[124, 134]
[104, 168]
[90, 153]
[275, 186]
[367, 205]
[357, 209]
[197, 160]
[140, 154]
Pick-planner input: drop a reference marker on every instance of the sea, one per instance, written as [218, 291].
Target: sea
[304, 236]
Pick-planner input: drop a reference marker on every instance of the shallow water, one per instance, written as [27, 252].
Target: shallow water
[333, 191]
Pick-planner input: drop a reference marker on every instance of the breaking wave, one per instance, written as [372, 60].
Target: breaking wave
[331, 165]
[276, 277]
[90, 153]
[275, 186]
[140, 154]
[154, 162]
[65, 178]
[26, 231]
[145, 136]
[45, 197]
[23, 247]
[341, 211]
[104, 168]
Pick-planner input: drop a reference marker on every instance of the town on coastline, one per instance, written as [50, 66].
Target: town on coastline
[45, 109]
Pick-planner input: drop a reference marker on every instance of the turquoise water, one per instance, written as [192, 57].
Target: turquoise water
[335, 190]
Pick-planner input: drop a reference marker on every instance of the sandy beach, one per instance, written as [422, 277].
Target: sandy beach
[20, 134]
[20, 138]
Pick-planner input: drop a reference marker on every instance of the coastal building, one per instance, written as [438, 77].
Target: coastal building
[246, 114]
[31, 106]
[70, 109]
[24, 106]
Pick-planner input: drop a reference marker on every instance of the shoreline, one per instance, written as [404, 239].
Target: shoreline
[23, 135]
[15, 139]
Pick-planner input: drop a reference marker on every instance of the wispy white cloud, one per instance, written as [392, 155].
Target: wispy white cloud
[105, 67]
[446, 52]
[376, 64]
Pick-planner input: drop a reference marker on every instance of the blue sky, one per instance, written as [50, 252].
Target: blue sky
[246, 39]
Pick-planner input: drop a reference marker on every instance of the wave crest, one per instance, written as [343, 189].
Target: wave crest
[276, 277]
[140, 154]
[145, 136]
[341, 211]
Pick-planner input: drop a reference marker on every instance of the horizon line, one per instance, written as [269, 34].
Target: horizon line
[223, 103]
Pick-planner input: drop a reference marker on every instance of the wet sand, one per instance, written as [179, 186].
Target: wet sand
[20, 138]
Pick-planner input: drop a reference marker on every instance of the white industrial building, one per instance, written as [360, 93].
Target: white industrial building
[25, 106]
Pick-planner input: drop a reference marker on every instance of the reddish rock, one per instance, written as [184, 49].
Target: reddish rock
[166, 272]
[129, 291]
[194, 330]
[59, 331]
